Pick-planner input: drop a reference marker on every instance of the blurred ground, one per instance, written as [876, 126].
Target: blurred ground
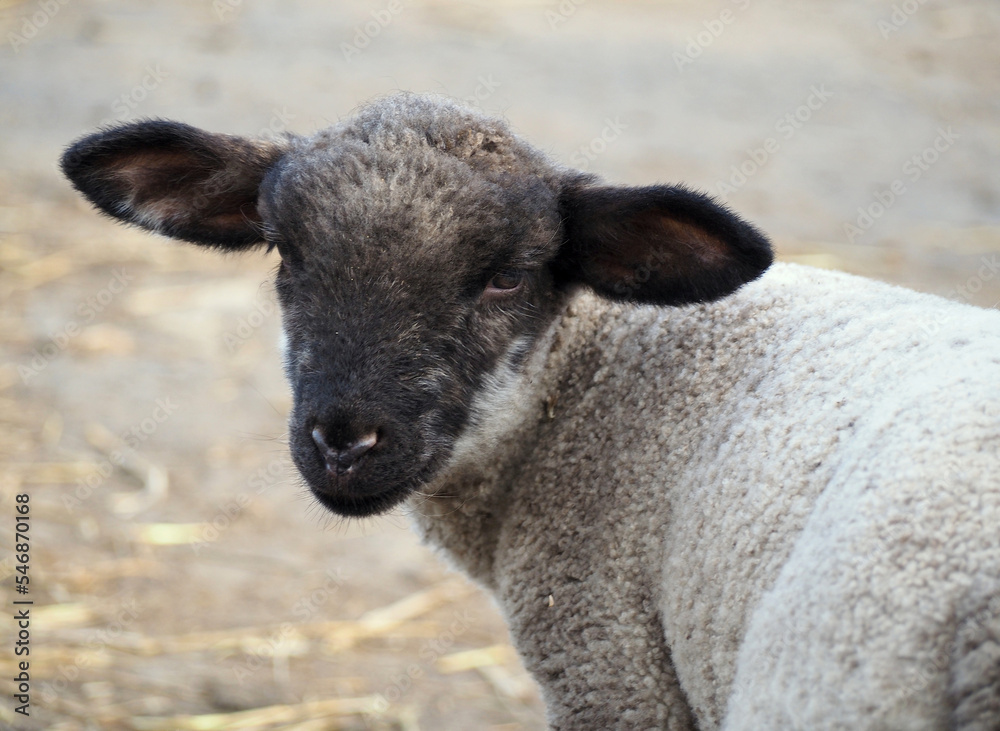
[178, 567]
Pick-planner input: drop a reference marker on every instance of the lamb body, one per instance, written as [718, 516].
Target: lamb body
[778, 508]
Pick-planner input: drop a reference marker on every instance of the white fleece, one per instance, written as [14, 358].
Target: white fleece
[777, 511]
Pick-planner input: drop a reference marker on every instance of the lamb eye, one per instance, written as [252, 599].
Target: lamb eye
[506, 281]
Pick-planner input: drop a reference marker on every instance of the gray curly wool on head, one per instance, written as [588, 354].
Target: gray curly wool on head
[702, 497]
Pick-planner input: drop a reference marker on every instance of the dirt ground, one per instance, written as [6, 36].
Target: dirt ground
[178, 568]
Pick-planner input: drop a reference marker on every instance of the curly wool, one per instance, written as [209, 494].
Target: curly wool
[779, 510]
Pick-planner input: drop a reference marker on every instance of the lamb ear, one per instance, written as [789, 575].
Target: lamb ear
[175, 179]
[662, 245]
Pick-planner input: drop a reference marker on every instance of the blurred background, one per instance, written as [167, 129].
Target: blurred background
[181, 576]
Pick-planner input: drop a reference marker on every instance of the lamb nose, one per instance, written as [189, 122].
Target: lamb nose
[341, 459]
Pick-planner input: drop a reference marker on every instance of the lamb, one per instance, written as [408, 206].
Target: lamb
[704, 496]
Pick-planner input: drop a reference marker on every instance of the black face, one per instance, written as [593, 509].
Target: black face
[395, 314]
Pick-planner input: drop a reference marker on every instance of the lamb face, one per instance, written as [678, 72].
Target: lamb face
[396, 310]
[424, 248]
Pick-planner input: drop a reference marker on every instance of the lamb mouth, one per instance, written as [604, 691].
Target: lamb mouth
[362, 506]
[360, 495]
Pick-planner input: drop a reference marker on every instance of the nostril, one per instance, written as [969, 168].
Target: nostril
[320, 439]
[341, 458]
